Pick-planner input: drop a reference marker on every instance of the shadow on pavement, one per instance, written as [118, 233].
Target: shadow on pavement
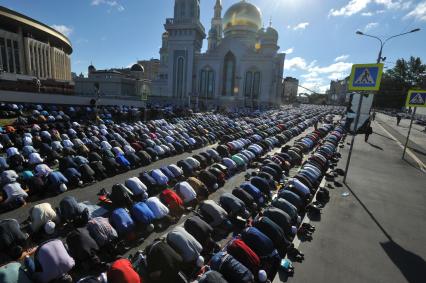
[375, 146]
[411, 265]
[417, 151]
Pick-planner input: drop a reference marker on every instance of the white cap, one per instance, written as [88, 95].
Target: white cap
[49, 227]
[150, 228]
[200, 261]
[62, 188]
[263, 277]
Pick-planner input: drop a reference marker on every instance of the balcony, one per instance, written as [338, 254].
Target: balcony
[172, 21]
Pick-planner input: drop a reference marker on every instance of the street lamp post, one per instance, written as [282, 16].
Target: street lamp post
[383, 42]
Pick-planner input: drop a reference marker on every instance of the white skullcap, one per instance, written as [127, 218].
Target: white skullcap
[62, 188]
[49, 227]
[200, 261]
[263, 277]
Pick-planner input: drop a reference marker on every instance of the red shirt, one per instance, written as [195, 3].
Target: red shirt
[171, 198]
[122, 271]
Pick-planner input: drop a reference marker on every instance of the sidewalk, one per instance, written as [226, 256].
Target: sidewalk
[377, 233]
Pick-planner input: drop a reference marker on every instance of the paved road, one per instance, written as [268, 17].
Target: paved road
[377, 233]
[417, 143]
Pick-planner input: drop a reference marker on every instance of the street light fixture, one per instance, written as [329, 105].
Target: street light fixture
[383, 42]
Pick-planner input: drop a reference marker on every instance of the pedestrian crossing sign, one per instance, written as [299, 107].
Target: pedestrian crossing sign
[416, 98]
[365, 77]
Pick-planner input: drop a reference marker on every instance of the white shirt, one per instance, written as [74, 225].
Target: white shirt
[193, 162]
[186, 191]
[157, 207]
[13, 191]
[35, 158]
[129, 149]
[67, 143]
[9, 176]
[229, 163]
[42, 170]
[159, 150]
[105, 145]
[45, 134]
[159, 177]
[177, 172]
[11, 151]
[137, 187]
[56, 145]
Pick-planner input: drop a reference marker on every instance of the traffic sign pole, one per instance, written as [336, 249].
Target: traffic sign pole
[409, 132]
[353, 137]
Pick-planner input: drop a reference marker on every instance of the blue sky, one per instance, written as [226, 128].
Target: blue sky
[317, 35]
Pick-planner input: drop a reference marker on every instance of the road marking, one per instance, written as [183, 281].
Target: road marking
[421, 165]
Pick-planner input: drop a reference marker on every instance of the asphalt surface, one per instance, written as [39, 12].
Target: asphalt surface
[417, 141]
[377, 232]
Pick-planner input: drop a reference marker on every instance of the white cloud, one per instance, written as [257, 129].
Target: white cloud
[110, 3]
[418, 13]
[317, 77]
[341, 58]
[367, 14]
[289, 51]
[356, 6]
[353, 7]
[295, 63]
[370, 26]
[67, 31]
[394, 4]
[303, 25]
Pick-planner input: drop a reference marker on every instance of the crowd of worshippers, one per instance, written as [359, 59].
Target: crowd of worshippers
[44, 157]
[264, 224]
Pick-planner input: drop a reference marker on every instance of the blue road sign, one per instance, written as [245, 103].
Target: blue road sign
[416, 98]
[366, 77]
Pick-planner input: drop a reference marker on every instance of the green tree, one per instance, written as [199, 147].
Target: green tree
[396, 82]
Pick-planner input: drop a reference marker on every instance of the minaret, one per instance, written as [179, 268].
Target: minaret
[217, 20]
[185, 35]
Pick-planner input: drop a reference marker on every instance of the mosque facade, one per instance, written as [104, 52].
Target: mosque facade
[241, 67]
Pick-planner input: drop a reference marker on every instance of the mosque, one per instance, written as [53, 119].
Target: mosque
[241, 66]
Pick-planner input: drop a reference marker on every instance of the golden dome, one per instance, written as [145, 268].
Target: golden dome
[243, 14]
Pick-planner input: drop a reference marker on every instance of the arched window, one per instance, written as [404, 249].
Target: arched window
[248, 85]
[192, 13]
[252, 84]
[182, 9]
[256, 85]
[206, 83]
[180, 77]
[229, 74]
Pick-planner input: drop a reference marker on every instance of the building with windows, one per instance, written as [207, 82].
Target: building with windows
[241, 67]
[290, 89]
[126, 83]
[33, 54]
[338, 91]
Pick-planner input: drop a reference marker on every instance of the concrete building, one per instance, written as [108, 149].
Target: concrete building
[290, 89]
[34, 54]
[338, 91]
[242, 66]
[151, 68]
[129, 83]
